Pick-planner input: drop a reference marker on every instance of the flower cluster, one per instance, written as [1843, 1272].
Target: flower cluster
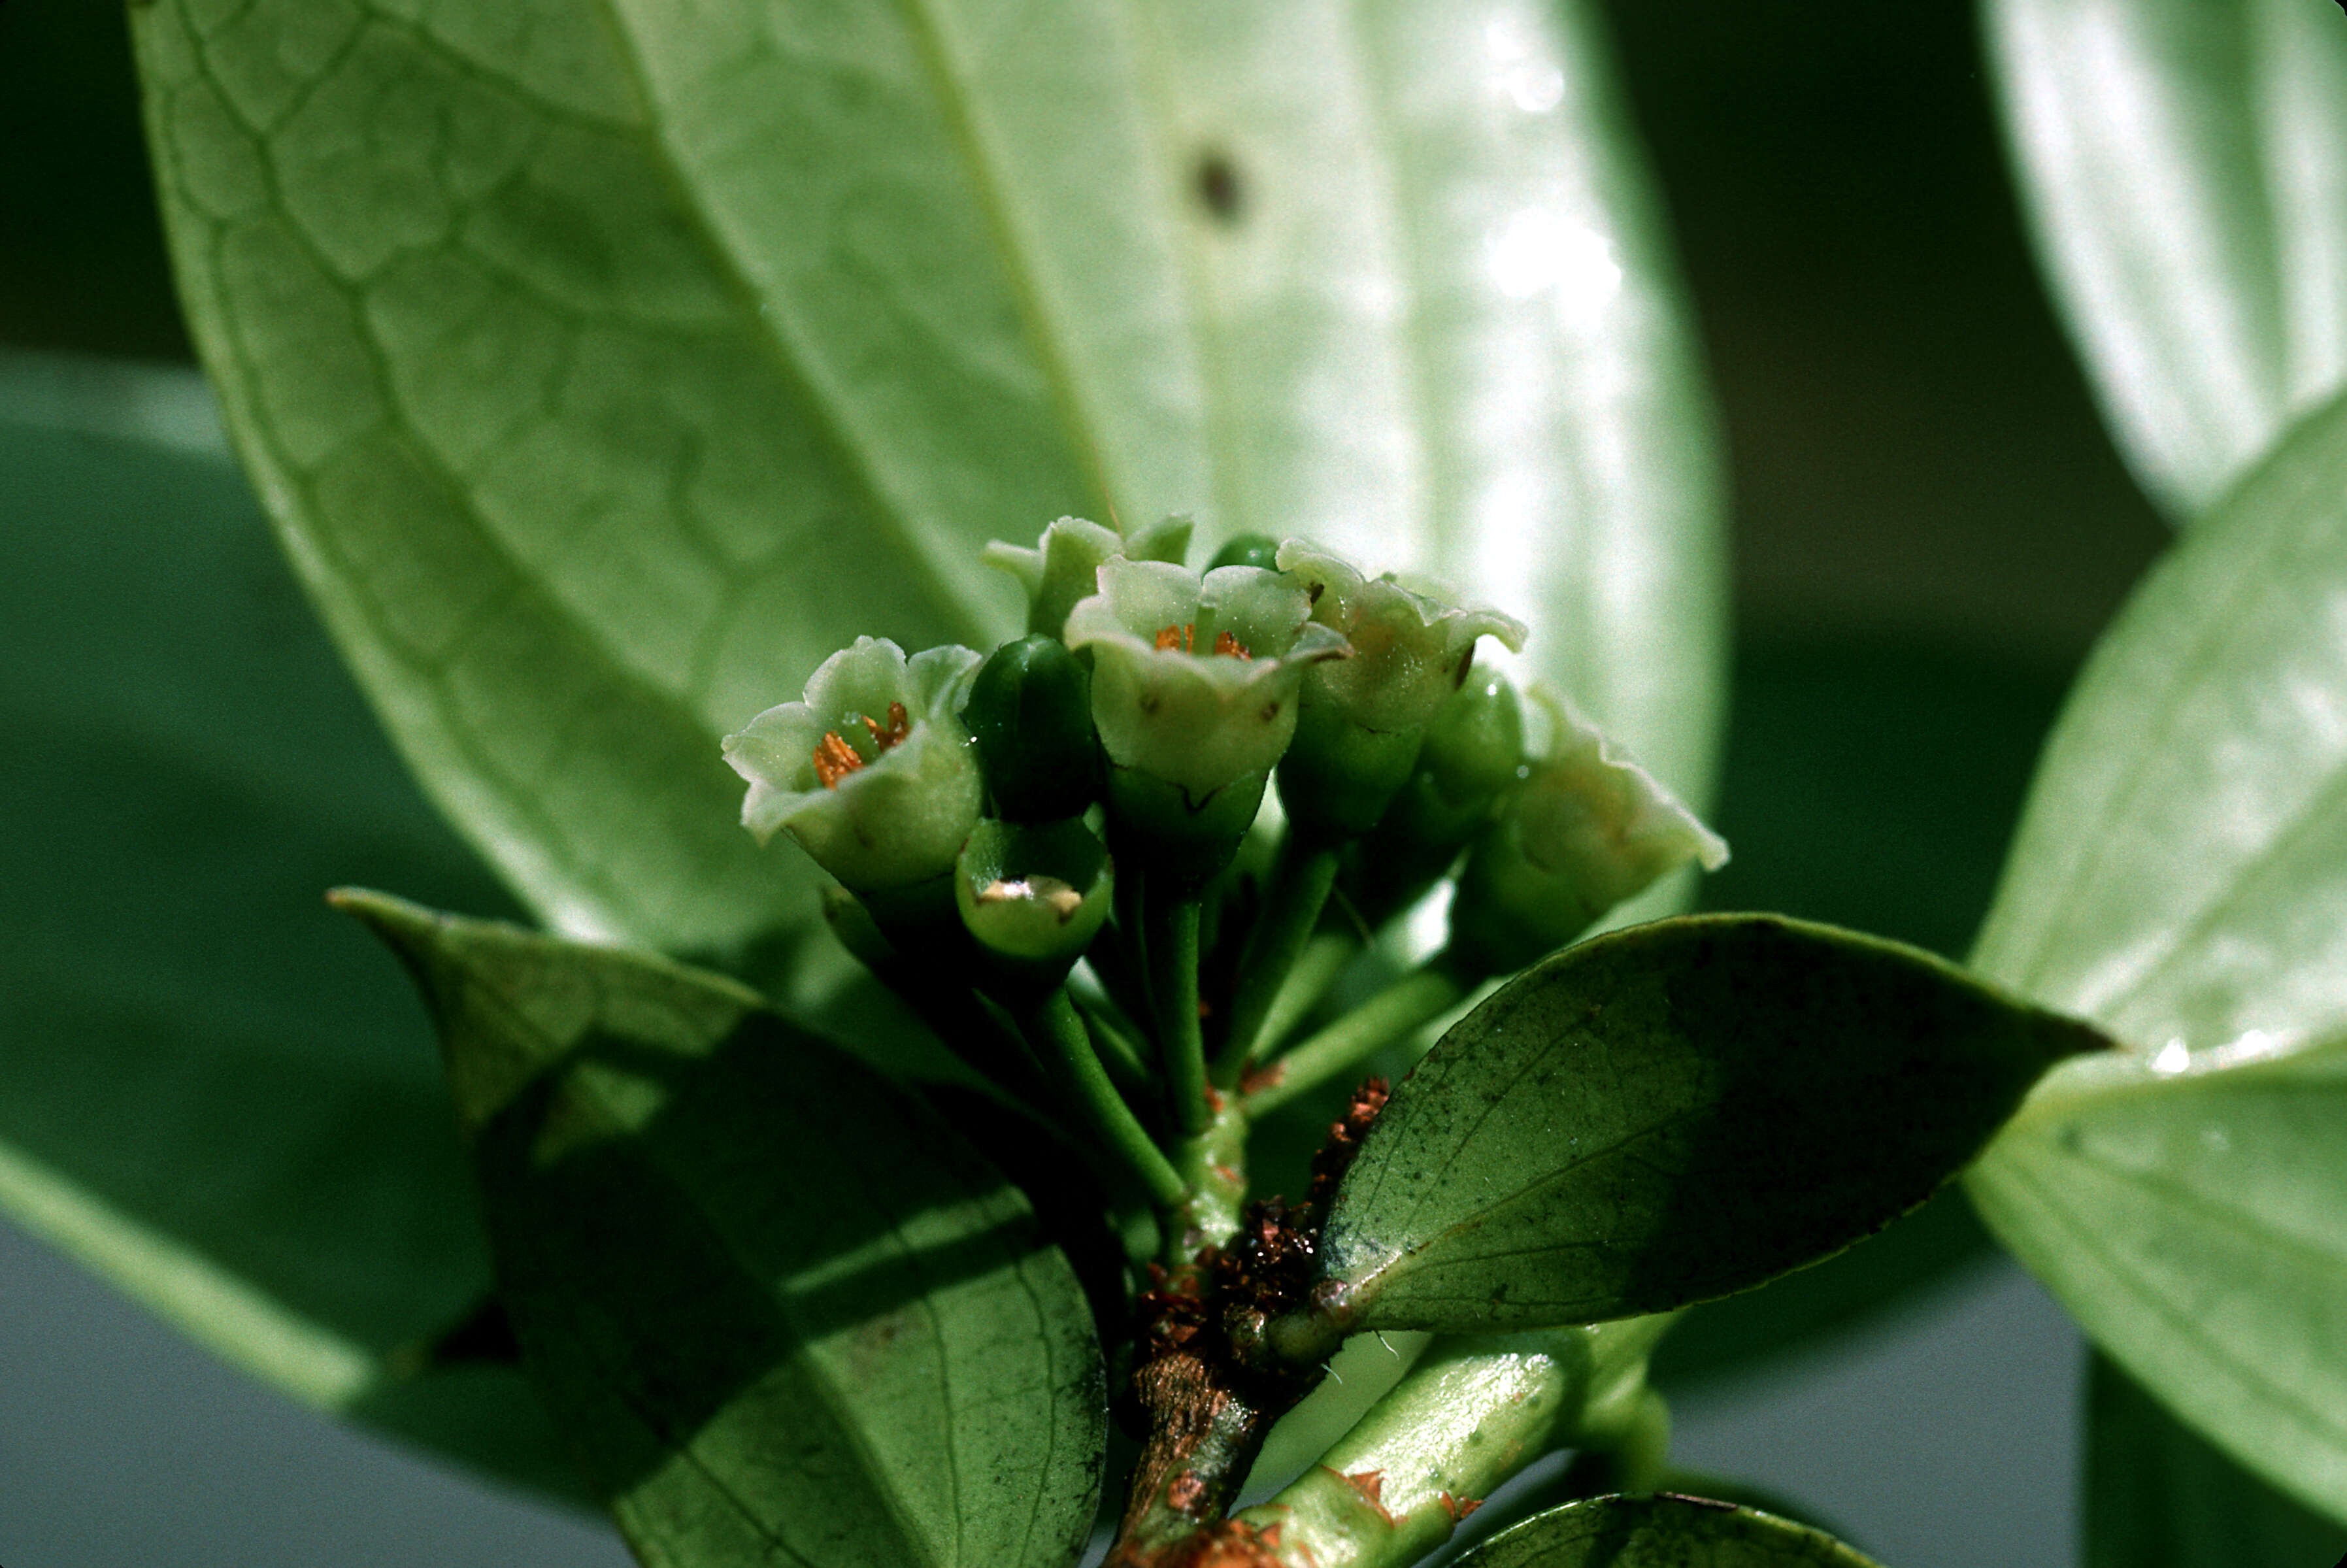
[1086, 791]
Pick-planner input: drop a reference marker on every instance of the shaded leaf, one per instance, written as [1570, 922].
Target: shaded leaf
[784, 1312]
[1672, 1113]
[1660, 1532]
[608, 365]
[218, 1096]
[1893, 1272]
[2186, 165]
[2158, 1496]
[2187, 1213]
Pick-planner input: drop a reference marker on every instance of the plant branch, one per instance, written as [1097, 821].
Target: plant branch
[1299, 890]
[1346, 1046]
[1059, 1037]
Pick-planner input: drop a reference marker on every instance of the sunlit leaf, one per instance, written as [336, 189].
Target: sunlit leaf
[2158, 1496]
[784, 1312]
[2180, 873]
[1672, 1113]
[605, 366]
[217, 1096]
[2181, 877]
[2186, 163]
[2188, 1214]
[1661, 1531]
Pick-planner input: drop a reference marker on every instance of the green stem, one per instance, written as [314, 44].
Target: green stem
[1127, 894]
[1060, 1037]
[1322, 960]
[1299, 890]
[1409, 1003]
[1213, 1168]
[1121, 1052]
[1172, 934]
[1474, 1411]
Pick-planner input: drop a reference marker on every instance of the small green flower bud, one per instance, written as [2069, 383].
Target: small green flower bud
[872, 773]
[1586, 829]
[1473, 753]
[1031, 709]
[1033, 896]
[1259, 550]
[1064, 565]
[1364, 717]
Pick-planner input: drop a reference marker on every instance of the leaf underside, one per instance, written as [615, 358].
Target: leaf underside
[2184, 162]
[1672, 1113]
[784, 1313]
[606, 365]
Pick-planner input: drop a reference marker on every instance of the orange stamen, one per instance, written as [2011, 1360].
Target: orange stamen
[1227, 644]
[900, 727]
[1180, 638]
[835, 759]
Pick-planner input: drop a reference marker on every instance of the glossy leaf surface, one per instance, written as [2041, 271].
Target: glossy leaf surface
[2187, 1211]
[2186, 165]
[219, 1097]
[606, 365]
[1672, 1113]
[2181, 877]
[2180, 873]
[1660, 1532]
[2158, 1496]
[784, 1312]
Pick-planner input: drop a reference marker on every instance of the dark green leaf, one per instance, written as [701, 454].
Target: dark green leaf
[1671, 1113]
[607, 366]
[1886, 1274]
[218, 1097]
[1660, 1532]
[785, 1312]
[2183, 161]
[2158, 1496]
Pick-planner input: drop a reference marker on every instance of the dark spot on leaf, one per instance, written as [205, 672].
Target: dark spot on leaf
[1216, 183]
[1270, 711]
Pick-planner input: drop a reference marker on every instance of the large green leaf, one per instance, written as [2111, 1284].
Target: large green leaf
[2180, 873]
[2181, 877]
[2186, 165]
[605, 364]
[1672, 1113]
[215, 1095]
[784, 1312]
[2193, 1216]
[1661, 1531]
[2158, 1496]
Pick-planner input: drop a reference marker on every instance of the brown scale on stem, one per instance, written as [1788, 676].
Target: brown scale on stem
[1209, 1388]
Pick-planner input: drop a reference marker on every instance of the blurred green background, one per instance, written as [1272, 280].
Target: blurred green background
[1930, 525]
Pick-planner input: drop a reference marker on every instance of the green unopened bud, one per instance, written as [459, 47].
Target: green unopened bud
[1587, 829]
[1473, 753]
[1031, 709]
[1033, 896]
[1259, 550]
[1064, 564]
[872, 773]
[1364, 716]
